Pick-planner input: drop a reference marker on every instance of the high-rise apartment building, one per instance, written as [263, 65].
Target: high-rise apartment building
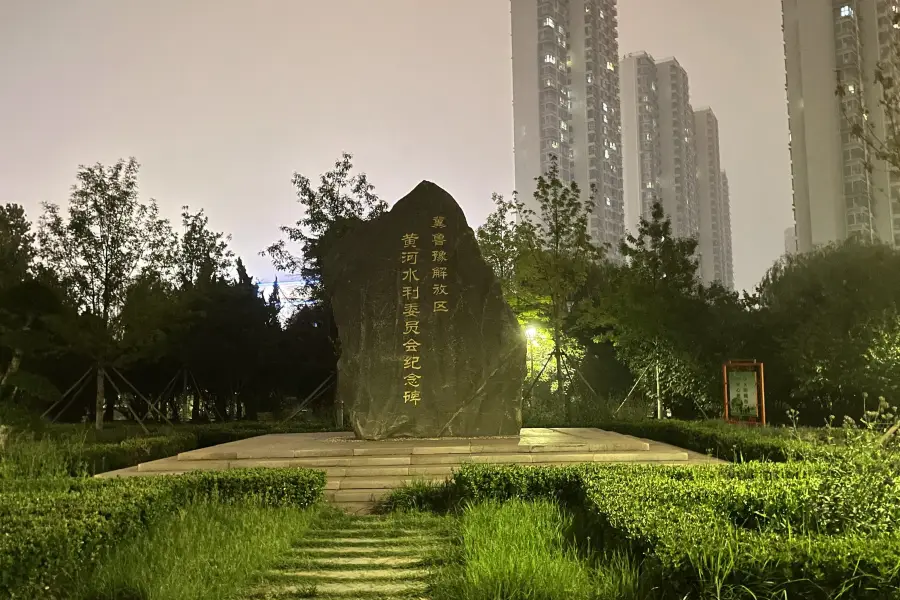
[678, 179]
[729, 256]
[712, 242]
[660, 160]
[658, 141]
[827, 43]
[566, 103]
[641, 151]
[671, 154]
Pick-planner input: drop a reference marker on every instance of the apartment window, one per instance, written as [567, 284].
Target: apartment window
[605, 107]
[647, 136]
[605, 120]
[549, 22]
[554, 144]
[610, 66]
[562, 136]
[851, 88]
[606, 154]
[550, 59]
[549, 83]
[649, 185]
[608, 202]
[590, 78]
[563, 125]
[846, 11]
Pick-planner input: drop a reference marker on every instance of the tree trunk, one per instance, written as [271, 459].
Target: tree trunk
[14, 365]
[560, 387]
[112, 399]
[98, 405]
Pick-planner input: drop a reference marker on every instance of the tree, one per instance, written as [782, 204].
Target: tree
[229, 341]
[558, 257]
[339, 199]
[24, 300]
[830, 316]
[503, 240]
[274, 304]
[202, 253]
[665, 325]
[108, 242]
[17, 249]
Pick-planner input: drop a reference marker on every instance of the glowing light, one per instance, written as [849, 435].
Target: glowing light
[530, 333]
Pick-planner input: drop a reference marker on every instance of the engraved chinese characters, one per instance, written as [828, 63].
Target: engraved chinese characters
[429, 348]
[413, 301]
[412, 391]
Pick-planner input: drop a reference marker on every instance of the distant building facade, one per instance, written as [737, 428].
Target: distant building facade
[825, 43]
[566, 103]
[729, 251]
[671, 154]
[714, 243]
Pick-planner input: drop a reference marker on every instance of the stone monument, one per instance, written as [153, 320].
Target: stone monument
[429, 347]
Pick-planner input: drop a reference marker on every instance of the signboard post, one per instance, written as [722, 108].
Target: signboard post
[744, 387]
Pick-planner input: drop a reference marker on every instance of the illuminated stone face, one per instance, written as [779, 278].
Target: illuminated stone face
[429, 347]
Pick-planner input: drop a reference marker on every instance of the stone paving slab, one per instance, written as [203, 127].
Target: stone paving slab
[325, 444]
[337, 454]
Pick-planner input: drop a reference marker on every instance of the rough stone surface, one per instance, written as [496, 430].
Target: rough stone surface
[429, 347]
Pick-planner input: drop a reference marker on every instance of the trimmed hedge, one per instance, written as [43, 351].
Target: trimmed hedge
[51, 529]
[746, 526]
[735, 443]
[80, 456]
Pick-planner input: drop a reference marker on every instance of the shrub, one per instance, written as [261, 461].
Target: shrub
[726, 441]
[74, 450]
[53, 529]
[770, 528]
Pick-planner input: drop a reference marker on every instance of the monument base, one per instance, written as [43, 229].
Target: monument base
[360, 472]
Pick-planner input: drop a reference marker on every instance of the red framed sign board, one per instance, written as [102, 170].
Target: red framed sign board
[744, 388]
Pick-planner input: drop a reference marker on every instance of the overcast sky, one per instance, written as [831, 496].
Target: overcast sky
[221, 100]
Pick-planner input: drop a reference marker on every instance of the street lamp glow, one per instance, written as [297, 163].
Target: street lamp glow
[530, 333]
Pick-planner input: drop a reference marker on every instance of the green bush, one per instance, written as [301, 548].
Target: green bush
[767, 527]
[726, 441]
[51, 529]
[75, 450]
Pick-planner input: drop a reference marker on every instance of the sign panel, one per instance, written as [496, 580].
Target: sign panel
[745, 399]
[742, 394]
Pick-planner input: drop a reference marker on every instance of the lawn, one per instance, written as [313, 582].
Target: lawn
[807, 515]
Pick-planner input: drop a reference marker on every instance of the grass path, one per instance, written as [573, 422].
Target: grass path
[342, 556]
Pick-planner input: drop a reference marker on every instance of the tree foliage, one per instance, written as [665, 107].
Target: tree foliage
[504, 239]
[831, 314]
[340, 198]
[17, 247]
[658, 315]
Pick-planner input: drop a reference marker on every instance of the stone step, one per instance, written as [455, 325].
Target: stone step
[378, 483]
[390, 448]
[355, 508]
[412, 465]
[347, 589]
[357, 495]
[408, 574]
